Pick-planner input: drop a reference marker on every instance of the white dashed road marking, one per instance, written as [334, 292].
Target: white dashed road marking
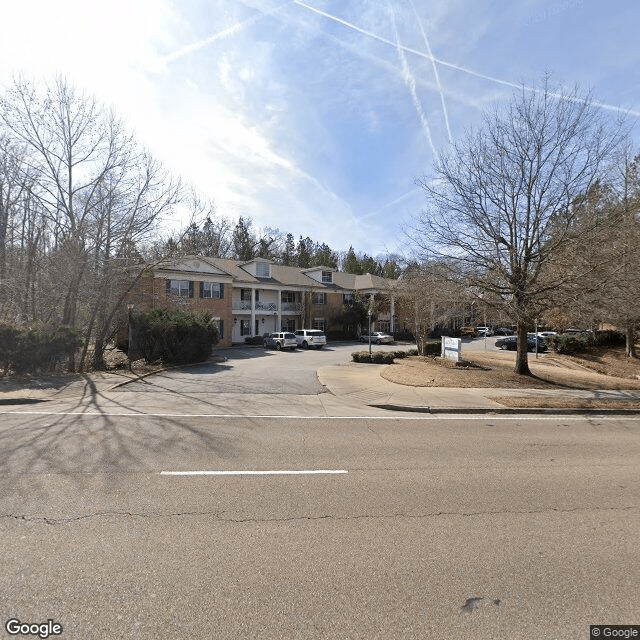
[281, 472]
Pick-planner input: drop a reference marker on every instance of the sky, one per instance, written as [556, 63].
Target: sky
[315, 117]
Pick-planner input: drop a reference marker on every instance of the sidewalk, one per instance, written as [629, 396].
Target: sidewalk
[350, 385]
[363, 383]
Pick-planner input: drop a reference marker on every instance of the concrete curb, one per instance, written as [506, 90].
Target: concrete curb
[507, 410]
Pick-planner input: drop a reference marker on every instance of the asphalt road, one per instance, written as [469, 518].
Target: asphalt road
[443, 528]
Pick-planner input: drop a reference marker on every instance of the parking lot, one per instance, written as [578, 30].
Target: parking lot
[255, 370]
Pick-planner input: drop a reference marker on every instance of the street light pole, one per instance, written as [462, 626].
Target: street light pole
[369, 314]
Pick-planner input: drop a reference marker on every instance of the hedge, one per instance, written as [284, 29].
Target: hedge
[576, 343]
[381, 357]
[36, 350]
[173, 336]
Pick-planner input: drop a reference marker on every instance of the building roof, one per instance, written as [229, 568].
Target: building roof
[280, 274]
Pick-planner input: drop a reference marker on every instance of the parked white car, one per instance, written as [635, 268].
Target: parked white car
[484, 331]
[377, 337]
[307, 338]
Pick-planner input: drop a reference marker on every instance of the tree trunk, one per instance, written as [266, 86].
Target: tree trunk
[522, 360]
[630, 348]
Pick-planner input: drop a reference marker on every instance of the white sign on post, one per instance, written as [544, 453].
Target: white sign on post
[451, 348]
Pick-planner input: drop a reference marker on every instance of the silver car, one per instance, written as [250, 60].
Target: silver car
[378, 337]
[280, 340]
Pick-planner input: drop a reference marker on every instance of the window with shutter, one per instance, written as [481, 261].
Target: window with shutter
[213, 290]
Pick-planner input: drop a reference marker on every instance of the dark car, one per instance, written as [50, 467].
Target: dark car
[511, 343]
[504, 331]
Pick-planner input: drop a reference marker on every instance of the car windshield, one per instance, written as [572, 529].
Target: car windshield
[289, 336]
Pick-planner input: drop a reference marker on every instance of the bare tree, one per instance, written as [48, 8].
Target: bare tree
[435, 297]
[92, 195]
[501, 200]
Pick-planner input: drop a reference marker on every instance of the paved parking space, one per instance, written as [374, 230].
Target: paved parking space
[253, 370]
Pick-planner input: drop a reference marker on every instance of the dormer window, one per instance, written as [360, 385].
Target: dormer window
[327, 277]
[262, 270]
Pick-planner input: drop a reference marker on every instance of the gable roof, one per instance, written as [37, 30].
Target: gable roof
[280, 274]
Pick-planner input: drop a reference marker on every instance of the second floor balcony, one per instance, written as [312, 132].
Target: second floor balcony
[267, 307]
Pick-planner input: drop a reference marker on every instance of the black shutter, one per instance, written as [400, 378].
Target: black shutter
[167, 286]
[221, 329]
[221, 291]
[191, 288]
[201, 288]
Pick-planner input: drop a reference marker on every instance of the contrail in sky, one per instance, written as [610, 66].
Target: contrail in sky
[435, 70]
[457, 67]
[404, 196]
[229, 31]
[410, 81]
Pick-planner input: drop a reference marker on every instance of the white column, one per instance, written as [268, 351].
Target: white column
[279, 304]
[253, 311]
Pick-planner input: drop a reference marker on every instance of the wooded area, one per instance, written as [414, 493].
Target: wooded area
[82, 206]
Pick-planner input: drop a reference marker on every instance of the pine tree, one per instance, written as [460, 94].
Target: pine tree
[289, 253]
[303, 252]
[351, 263]
[244, 242]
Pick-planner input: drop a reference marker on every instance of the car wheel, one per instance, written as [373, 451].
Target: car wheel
[305, 345]
[319, 347]
[278, 346]
[378, 341]
[504, 347]
[264, 344]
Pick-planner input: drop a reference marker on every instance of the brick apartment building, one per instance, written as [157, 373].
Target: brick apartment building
[252, 298]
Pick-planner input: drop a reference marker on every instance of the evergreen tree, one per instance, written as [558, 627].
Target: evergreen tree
[243, 240]
[303, 252]
[351, 264]
[324, 256]
[390, 269]
[369, 265]
[289, 253]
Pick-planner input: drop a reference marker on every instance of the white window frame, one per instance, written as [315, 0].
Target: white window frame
[319, 297]
[327, 277]
[263, 270]
[318, 324]
[181, 290]
[212, 289]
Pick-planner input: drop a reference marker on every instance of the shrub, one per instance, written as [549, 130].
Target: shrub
[576, 343]
[404, 334]
[430, 347]
[610, 338]
[36, 350]
[254, 340]
[377, 357]
[172, 336]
